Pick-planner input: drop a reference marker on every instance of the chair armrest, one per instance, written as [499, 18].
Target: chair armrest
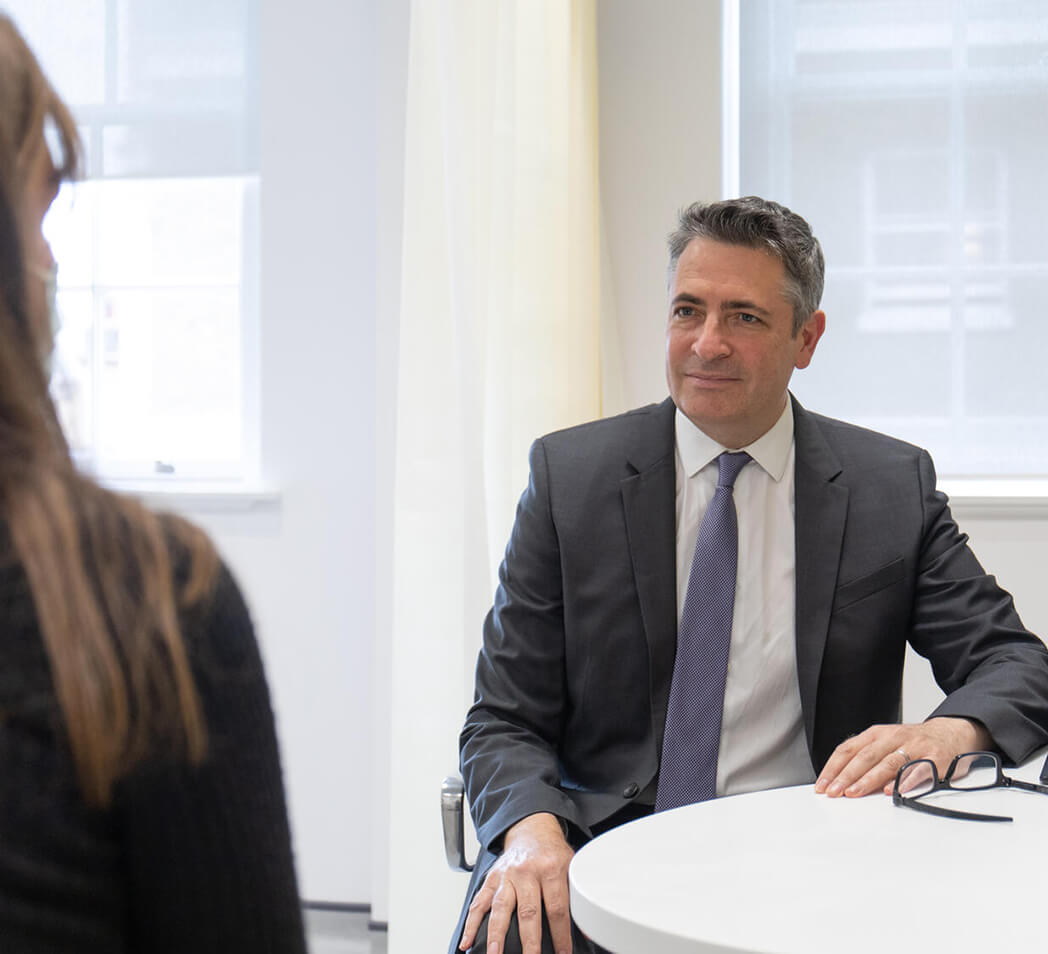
[452, 799]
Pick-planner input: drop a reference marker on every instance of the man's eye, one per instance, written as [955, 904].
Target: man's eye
[684, 311]
[748, 319]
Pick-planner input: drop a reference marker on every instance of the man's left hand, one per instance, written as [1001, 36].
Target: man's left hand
[869, 761]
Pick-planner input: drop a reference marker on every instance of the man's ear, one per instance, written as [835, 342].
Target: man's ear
[809, 335]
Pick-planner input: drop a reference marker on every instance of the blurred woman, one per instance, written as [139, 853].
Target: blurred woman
[141, 802]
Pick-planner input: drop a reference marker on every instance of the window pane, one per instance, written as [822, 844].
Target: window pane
[74, 56]
[69, 228]
[168, 231]
[192, 53]
[147, 368]
[157, 251]
[72, 366]
[909, 134]
[169, 382]
[159, 88]
[215, 142]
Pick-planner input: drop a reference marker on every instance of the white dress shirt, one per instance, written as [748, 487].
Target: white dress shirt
[762, 731]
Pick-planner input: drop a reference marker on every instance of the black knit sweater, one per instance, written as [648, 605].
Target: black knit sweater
[188, 860]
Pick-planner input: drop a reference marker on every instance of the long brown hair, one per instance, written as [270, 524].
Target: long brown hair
[108, 579]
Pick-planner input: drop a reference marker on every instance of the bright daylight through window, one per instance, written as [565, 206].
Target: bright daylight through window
[913, 136]
[157, 249]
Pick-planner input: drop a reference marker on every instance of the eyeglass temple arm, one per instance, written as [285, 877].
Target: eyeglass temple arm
[920, 806]
[1026, 786]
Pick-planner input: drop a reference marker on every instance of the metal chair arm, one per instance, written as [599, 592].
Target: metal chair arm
[452, 799]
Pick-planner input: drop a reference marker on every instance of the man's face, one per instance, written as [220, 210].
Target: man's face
[730, 350]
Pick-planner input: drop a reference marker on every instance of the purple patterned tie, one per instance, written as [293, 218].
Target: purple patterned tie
[691, 742]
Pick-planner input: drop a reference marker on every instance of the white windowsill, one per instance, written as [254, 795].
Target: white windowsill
[997, 499]
[979, 498]
[200, 496]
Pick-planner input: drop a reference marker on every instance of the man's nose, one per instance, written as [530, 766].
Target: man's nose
[711, 342]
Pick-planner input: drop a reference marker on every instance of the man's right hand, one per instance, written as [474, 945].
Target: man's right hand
[530, 875]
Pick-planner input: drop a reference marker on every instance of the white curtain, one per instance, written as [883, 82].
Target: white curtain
[499, 342]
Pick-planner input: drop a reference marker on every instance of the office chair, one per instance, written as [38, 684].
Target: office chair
[452, 801]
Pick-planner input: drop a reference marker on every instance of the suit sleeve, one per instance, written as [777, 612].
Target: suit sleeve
[512, 732]
[992, 669]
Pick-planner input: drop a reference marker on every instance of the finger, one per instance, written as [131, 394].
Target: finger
[555, 900]
[502, 906]
[881, 775]
[529, 917]
[913, 779]
[841, 757]
[478, 908]
[856, 777]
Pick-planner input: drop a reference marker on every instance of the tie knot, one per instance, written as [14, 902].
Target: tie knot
[728, 467]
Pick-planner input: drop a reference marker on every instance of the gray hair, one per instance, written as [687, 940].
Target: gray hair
[761, 224]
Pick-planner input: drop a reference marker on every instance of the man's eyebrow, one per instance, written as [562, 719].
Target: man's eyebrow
[733, 305]
[742, 305]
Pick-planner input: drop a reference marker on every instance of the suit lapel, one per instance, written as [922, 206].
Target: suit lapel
[820, 513]
[648, 499]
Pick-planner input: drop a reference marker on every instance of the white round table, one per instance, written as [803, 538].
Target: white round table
[790, 872]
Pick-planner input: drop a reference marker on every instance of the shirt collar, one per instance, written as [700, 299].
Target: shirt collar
[771, 450]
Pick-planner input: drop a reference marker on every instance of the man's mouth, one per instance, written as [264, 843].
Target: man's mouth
[703, 378]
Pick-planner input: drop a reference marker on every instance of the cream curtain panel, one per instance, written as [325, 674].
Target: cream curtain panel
[499, 342]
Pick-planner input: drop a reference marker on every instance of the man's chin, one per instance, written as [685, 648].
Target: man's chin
[710, 402]
[708, 416]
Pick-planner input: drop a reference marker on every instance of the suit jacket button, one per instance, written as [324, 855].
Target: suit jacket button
[631, 790]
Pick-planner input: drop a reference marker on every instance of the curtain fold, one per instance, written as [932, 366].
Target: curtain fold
[499, 342]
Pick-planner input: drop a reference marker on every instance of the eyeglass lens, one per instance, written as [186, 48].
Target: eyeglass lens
[917, 778]
[977, 770]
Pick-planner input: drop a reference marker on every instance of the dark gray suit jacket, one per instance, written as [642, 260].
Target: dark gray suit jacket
[574, 675]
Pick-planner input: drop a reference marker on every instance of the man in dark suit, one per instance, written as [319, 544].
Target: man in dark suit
[845, 551]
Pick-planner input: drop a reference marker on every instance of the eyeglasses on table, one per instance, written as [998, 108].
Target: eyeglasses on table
[968, 772]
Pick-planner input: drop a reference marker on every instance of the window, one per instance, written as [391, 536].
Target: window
[158, 249]
[912, 136]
